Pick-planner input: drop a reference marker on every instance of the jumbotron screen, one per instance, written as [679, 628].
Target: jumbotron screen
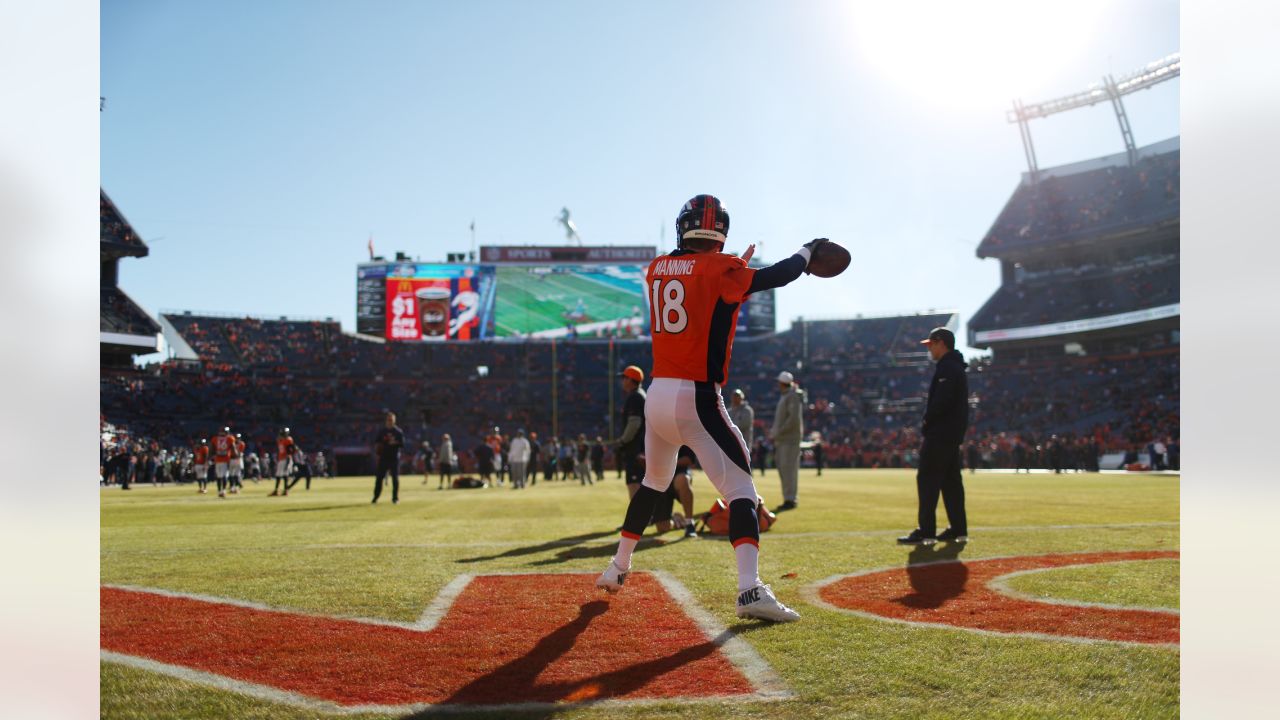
[514, 292]
[416, 302]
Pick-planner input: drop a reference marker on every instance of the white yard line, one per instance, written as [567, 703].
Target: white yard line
[767, 682]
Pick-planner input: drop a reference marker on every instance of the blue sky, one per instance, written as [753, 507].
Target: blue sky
[257, 145]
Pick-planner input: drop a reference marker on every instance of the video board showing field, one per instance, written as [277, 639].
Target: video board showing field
[515, 292]
[563, 300]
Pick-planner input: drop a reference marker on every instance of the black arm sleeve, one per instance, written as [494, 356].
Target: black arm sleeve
[777, 274]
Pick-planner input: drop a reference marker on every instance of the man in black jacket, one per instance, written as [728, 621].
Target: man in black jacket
[946, 418]
[387, 443]
[630, 446]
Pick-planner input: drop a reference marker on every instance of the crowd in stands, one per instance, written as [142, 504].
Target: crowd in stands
[253, 343]
[1037, 303]
[1099, 201]
[864, 379]
[120, 314]
[112, 227]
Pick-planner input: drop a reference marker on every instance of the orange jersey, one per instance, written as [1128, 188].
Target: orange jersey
[202, 454]
[284, 448]
[694, 300]
[223, 446]
[240, 446]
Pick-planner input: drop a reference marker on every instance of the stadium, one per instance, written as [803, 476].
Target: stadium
[1087, 308]
[467, 592]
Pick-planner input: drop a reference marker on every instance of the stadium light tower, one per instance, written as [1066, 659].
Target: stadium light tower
[1151, 74]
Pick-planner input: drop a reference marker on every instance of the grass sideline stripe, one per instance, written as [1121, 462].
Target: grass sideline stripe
[612, 539]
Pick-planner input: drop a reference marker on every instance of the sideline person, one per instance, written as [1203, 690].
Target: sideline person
[788, 431]
[743, 416]
[631, 444]
[946, 418]
[386, 448]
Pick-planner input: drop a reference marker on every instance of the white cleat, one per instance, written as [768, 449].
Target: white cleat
[759, 603]
[612, 578]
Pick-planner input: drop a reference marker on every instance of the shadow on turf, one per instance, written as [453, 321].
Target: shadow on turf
[575, 549]
[932, 588]
[541, 547]
[519, 678]
[606, 550]
[313, 509]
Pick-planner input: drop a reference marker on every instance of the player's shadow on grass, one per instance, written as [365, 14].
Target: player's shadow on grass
[517, 681]
[314, 509]
[934, 578]
[542, 547]
[603, 550]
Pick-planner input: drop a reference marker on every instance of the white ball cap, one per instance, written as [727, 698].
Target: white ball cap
[785, 377]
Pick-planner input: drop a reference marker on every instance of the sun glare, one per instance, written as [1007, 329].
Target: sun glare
[974, 53]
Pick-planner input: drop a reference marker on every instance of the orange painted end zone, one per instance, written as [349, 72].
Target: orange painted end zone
[957, 593]
[506, 639]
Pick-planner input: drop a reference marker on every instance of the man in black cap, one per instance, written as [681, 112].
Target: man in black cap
[631, 443]
[946, 418]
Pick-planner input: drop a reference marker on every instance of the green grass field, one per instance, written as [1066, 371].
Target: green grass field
[328, 551]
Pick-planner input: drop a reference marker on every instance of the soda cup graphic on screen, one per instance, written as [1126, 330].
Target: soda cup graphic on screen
[433, 306]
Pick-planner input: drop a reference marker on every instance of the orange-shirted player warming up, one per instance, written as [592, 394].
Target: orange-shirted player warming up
[284, 462]
[694, 296]
[224, 449]
[202, 467]
[237, 465]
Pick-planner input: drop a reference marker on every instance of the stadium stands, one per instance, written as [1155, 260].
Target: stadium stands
[1100, 202]
[1094, 266]
[120, 314]
[126, 329]
[865, 380]
[256, 343]
[116, 232]
[1084, 293]
[1084, 329]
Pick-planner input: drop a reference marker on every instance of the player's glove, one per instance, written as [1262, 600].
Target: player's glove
[812, 247]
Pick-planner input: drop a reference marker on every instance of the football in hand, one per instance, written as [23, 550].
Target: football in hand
[828, 260]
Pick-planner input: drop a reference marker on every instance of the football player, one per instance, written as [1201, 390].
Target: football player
[223, 448]
[201, 458]
[695, 293]
[284, 462]
[237, 465]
